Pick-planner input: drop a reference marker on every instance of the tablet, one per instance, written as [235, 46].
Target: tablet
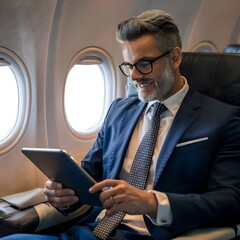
[59, 166]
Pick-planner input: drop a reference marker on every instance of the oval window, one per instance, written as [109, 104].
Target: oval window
[8, 101]
[205, 46]
[88, 92]
[84, 97]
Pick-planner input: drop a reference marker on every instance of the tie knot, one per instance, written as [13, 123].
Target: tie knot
[158, 109]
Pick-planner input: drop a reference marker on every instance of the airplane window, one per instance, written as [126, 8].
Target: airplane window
[84, 96]
[89, 90]
[8, 101]
[205, 46]
[14, 99]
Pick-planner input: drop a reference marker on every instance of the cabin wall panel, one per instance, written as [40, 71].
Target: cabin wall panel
[25, 27]
[217, 22]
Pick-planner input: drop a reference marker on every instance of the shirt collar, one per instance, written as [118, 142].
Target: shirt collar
[172, 103]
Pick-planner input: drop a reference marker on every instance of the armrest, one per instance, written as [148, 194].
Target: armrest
[49, 216]
[223, 233]
[28, 212]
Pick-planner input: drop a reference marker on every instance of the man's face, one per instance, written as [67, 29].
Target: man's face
[158, 83]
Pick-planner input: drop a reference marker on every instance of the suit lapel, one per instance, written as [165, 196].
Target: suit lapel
[185, 117]
[128, 121]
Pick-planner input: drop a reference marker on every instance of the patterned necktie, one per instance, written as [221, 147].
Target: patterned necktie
[138, 173]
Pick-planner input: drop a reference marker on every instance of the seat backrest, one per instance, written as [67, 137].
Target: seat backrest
[214, 74]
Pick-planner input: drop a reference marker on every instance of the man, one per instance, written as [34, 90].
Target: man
[193, 180]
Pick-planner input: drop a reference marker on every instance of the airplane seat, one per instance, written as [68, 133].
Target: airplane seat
[232, 48]
[216, 75]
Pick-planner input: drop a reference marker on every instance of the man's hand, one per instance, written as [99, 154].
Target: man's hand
[119, 196]
[58, 196]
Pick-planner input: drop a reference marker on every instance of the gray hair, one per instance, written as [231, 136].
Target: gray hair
[155, 22]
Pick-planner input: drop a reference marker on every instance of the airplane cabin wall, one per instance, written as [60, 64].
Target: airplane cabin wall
[47, 34]
[217, 23]
[25, 27]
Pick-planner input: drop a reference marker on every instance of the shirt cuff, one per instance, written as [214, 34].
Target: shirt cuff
[164, 212]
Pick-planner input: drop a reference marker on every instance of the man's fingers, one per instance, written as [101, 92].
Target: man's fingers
[53, 185]
[105, 184]
[56, 189]
[59, 193]
[114, 209]
[63, 201]
[58, 196]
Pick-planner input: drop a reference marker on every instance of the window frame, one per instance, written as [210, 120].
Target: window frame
[86, 56]
[24, 95]
[205, 46]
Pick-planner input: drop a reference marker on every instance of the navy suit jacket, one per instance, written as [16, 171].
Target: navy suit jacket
[201, 179]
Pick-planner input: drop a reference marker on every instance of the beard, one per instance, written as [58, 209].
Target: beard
[163, 85]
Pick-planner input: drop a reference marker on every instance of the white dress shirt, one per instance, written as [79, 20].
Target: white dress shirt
[164, 215]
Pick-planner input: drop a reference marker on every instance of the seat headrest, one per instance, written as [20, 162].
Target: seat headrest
[214, 74]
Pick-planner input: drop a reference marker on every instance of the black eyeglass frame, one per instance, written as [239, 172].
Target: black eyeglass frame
[135, 64]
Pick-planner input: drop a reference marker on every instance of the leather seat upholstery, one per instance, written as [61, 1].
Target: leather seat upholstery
[214, 74]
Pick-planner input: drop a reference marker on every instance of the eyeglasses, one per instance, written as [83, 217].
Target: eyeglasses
[143, 66]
